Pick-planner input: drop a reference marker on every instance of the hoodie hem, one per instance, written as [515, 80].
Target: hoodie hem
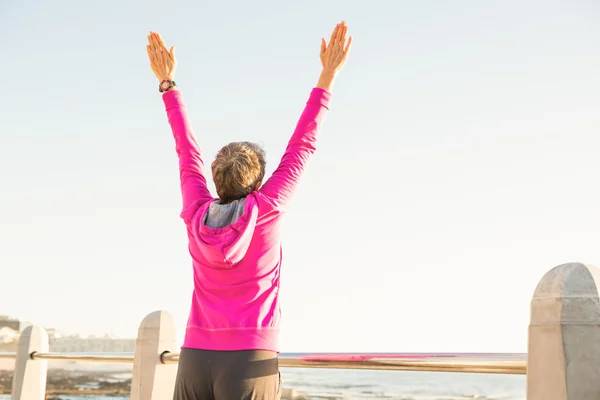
[232, 339]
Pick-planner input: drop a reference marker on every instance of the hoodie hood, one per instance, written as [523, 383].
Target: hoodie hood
[224, 231]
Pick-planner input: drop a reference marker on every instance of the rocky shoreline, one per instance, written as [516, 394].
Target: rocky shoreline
[66, 382]
[110, 382]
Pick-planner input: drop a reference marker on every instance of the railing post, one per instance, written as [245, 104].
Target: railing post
[29, 377]
[153, 380]
[563, 360]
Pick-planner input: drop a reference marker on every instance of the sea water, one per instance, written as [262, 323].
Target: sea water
[327, 384]
[401, 385]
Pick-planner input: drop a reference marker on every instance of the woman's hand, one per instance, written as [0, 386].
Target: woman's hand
[334, 55]
[162, 61]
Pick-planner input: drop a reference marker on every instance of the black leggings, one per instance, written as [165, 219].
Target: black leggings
[228, 375]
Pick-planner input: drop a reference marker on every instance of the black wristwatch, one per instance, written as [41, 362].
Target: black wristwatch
[166, 85]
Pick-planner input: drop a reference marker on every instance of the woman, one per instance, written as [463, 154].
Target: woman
[231, 342]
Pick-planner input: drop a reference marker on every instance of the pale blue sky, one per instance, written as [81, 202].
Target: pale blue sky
[458, 164]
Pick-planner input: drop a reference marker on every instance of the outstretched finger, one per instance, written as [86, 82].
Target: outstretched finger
[323, 46]
[347, 49]
[334, 33]
[157, 45]
[343, 35]
[161, 41]
[152, 60]
[151, 42]
[151, 56]
[340, 31]
[150, 53]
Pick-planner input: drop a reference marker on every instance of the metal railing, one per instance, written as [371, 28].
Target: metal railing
[483, 363]
[499, 364]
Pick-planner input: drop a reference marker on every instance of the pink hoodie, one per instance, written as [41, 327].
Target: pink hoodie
[235, 304]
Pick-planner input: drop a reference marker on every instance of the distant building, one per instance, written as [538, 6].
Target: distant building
[77, 344]
[8, 322]
[11, 328]
[13, 323]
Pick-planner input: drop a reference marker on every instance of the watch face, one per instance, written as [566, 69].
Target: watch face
[165, 85]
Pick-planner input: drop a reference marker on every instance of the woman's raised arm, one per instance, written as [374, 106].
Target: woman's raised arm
[280, 187]
[194, 190]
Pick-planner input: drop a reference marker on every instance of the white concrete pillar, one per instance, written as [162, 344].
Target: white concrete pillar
[153, 380]
[563, 361]
[29, 379]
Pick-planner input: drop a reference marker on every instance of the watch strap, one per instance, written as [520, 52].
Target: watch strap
[172, 84]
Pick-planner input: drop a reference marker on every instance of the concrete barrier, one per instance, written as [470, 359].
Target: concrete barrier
[563, 357]
[153, 380]
[29, 377]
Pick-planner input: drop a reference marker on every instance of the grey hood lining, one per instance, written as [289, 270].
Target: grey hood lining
[221, 215]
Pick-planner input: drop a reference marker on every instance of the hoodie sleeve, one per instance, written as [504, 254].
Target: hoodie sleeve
[191, 167]
[280, 187]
